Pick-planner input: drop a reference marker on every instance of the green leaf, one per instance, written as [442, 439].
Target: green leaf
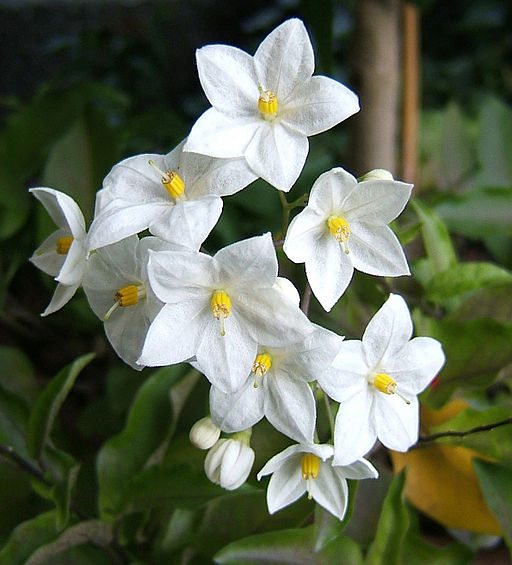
[465, 277]
[436, 239]
[417, 551]
[27, 538]
[392, 527]
[149, 423]
[495, 444]
[65, 473]
[490, 302]
[180, 486]
[90, 531]
[284, 546]
[341, 546]
[495, 481]
[480, 213]
[48, 405]
[14, 414]
[17, 374]
[476, 350]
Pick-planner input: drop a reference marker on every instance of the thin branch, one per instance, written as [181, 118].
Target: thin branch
[454, 433]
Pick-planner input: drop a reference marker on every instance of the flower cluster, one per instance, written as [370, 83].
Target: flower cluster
[164, 300]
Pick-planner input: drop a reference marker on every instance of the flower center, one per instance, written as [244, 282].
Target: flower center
[340, 230]
[221, 307]
[171, 180]
[126, 296]
[384, 383]
[267, 103]
[63, 244]
[261, 365]
[310, 465]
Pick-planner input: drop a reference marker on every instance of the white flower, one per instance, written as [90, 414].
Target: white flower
[204, 434]
[344, 227]
[229, 462]
[266, 106]
[219, 308]
[117, 288]
[307, 468]
[278, 388]
[376, 381]
[62, 254]
[176, 196]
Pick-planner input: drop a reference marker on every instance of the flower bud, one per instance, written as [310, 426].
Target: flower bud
[204, 433]
[376, 174]
[228, 463]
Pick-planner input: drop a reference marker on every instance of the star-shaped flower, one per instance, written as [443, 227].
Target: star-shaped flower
[308, 468]
[376, 381]
[265, 107]
[344, 227]
[176, 196]
[63, 253]
[278, 388]
[117, 288]
[219, 309]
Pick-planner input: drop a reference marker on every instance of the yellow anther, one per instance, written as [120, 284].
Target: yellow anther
[340, 230]
[126, 296]
[384, 383]
[310, 465]
[171, 180]
[267, 103]
[63, 244]
[261, 365]
[221, 307]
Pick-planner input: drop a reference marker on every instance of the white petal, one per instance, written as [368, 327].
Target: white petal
[46, 258]
[375, 249]
[61, 296]
[236, 465]
[174, 334]
[120, 219]
[188, 223]
[63, 210]
[212, 176]
[247, 264]
[277, 154]
[304, 234]
[228, 79]
[387, 332]
[285, 59]
[347, 375]
[239, 410]
[218, 135]
[329, 271]
[330, 490]
[376, 201]
[318, 105]
[275, 462]
[290, 406]
[72, 270]
[226, 360]
[360, 469]
[417, 363]
[286, 485]
[177, 276]
[355, 431]
[397, 422]
[330, 191]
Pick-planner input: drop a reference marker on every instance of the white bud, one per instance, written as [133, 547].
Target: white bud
[286, 288]
[228, 463]
[204, 433]
[376, 174]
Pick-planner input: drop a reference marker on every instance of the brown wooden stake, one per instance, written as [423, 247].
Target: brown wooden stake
[411, 95]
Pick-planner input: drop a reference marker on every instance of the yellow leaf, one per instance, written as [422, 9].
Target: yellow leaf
[441, 481]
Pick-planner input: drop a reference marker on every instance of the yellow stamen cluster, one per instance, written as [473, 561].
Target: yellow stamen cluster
[384, 383]
[340, 230]
[63, 244]
[310, 466]
[221, 307]
[126, 296]
[261, 365]
[267, 103]
[171, 180]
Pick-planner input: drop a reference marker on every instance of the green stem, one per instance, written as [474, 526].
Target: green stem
[454, 433]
